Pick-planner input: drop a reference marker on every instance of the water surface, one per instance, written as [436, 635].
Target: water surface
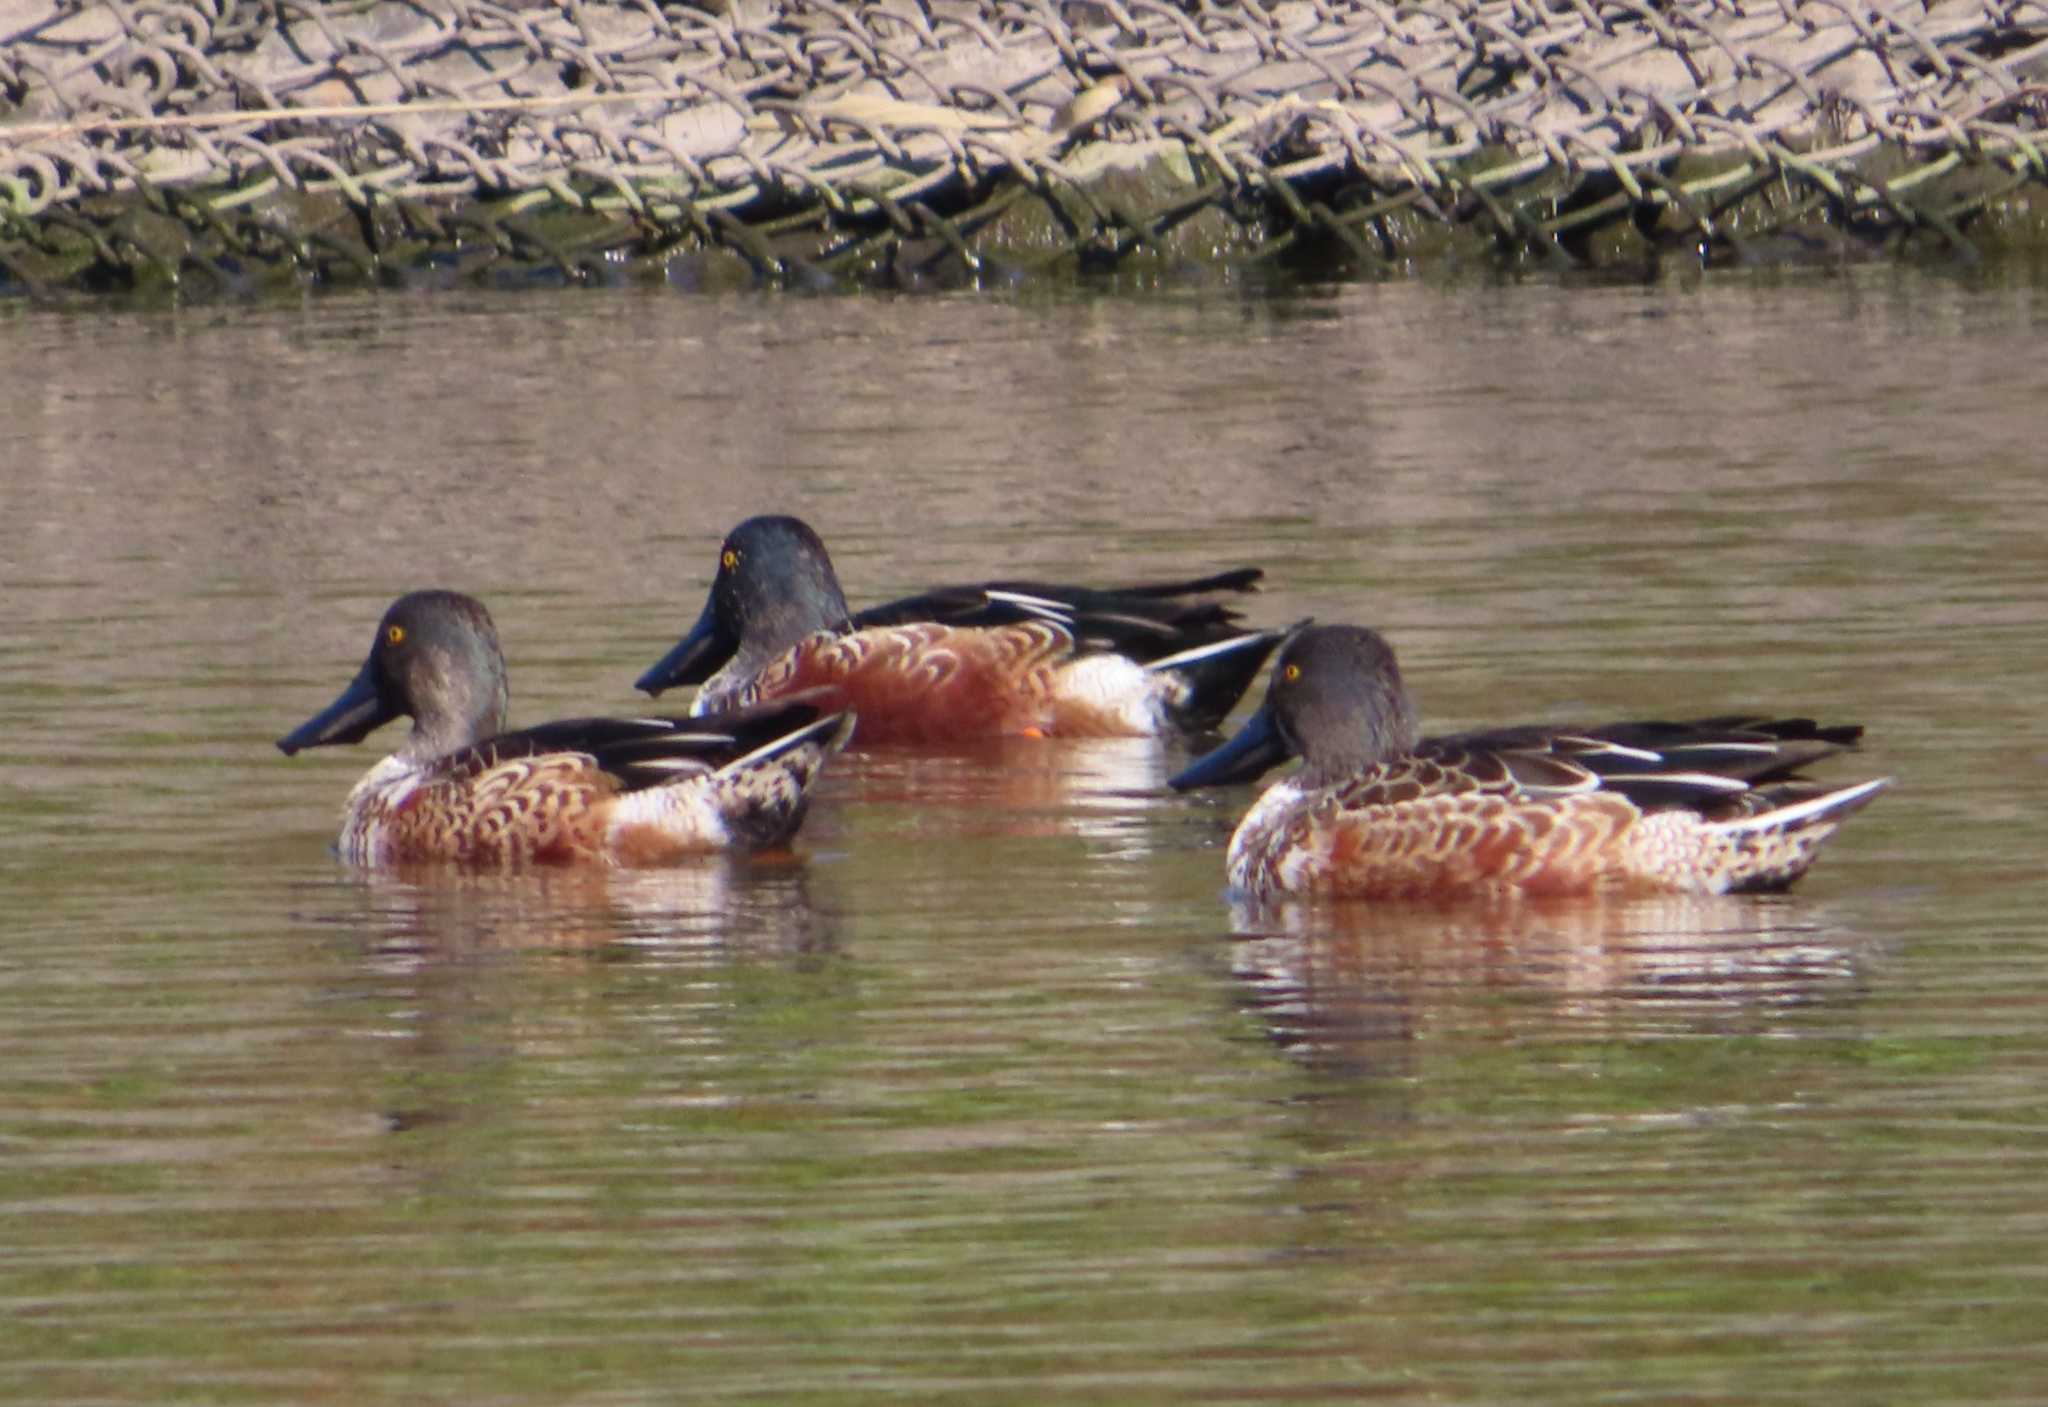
[987, 1093]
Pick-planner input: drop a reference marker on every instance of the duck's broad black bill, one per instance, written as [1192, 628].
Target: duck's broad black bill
[696, 657]
[1256, 750]
[359, 712]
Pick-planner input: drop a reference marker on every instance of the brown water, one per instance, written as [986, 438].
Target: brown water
[988, 1095]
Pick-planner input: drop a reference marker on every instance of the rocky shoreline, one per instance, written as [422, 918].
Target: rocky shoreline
[905, 144]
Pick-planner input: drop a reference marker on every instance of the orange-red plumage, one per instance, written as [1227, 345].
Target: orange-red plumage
[998, 661]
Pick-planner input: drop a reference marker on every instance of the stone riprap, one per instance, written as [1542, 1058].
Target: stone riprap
[908, 142]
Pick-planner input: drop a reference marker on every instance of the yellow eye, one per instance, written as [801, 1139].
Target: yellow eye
[1291, 673]
[394, 635]
[730, 560]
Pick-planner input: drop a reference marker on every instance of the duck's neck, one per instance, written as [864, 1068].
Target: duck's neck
[470, 701]
[809, 602]
[1379, 726]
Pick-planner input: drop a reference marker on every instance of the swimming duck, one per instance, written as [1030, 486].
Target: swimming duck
[1712, 806]
[962, 662]
[590, 790]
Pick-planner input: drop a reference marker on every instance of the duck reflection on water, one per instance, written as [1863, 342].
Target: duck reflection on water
[722, 908]
[1353, 987]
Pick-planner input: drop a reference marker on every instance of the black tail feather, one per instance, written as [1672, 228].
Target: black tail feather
[1147, 620]
[1217, 676]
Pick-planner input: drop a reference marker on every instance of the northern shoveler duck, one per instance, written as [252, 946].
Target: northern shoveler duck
[596, 790]
[963, 662]
[1377, 812]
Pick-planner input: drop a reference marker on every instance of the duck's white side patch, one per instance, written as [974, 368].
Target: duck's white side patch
[684, 813]
[1115, 687]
